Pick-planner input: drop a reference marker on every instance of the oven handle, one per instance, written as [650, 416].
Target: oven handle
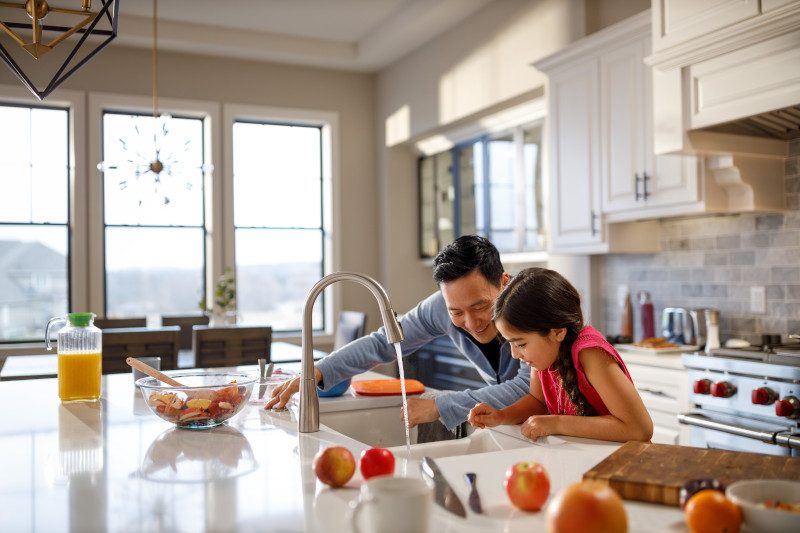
[701, 421]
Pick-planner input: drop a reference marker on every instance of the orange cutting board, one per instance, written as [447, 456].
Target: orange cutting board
[656, 472]
[386, 387]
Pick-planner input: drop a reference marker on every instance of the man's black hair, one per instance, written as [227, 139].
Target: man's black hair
[465, 254]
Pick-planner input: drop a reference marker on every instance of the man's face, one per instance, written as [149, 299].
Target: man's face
[469, 300]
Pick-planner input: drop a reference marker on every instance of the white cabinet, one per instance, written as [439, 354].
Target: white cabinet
[634, 180]
[662, 383]
[678, 21]
[598, 97]
[575, 187]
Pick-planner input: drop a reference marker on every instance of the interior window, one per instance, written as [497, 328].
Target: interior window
[278, 219]
[154, 222]
[34, 219]
[499, 184]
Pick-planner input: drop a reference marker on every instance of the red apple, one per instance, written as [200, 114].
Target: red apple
[334, 466]
[377, 462]
[527, 485]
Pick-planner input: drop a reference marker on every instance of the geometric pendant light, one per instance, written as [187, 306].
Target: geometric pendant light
[35, 32]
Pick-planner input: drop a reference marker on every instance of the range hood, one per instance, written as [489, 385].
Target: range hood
[732, 96]
[781, 124]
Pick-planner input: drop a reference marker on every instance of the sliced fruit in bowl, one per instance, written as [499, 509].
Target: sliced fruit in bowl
[768, 505]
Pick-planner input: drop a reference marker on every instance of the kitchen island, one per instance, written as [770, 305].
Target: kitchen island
[114, 466]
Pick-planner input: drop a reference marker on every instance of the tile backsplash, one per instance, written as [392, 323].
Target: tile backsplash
[714, 261]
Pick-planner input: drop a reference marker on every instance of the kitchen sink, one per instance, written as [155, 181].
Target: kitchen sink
[380, 427]
[480, 441]
[377, 427]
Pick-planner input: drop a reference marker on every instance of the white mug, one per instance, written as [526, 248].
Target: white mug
[393, 504]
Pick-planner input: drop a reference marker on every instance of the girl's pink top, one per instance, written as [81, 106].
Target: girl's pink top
[556, 398]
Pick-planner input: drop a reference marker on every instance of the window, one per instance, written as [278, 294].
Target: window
[278, 221]
[154, 225]
[34, 219]
[494, 189]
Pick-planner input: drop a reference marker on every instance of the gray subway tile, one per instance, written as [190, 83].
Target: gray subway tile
[727, 274]
[793, 292]
[715, 290]
[716, 259]
[743, 258]
[769, 222]
[785, 274]
[775, 292]
[727, 242]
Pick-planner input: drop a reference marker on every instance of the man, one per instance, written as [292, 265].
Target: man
[470, 276]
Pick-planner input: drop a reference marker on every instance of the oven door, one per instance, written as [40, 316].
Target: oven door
[738, 434]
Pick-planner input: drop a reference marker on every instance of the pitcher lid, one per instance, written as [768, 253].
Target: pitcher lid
[80, 319]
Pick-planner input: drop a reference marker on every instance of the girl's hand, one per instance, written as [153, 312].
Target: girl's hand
[484, 415]
[537, 426]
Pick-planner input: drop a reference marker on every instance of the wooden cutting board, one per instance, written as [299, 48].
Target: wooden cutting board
[386, 387]
[656, 472]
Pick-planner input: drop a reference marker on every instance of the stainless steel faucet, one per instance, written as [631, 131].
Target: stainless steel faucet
[309, 401]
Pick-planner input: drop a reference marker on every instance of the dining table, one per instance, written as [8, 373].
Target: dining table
[46, 365]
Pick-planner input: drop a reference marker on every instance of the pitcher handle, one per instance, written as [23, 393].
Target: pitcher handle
[47, 330]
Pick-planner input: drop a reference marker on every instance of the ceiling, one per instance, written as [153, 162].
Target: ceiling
[360, 35]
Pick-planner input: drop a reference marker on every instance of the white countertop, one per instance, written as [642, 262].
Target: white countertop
[114, 466]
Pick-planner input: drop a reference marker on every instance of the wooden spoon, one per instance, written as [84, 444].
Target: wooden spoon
[152, 372]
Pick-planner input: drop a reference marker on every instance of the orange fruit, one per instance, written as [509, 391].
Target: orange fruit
[586, 507]
[709, 511]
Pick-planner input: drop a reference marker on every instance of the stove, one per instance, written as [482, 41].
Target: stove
[745, 399]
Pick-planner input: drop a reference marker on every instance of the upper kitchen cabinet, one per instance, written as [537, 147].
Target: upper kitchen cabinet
[598, 141]
[635, 181]
[678, 21]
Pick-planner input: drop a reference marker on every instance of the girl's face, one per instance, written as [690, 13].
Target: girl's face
[534, 349]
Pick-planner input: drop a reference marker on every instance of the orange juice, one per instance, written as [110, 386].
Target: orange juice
[79, 376]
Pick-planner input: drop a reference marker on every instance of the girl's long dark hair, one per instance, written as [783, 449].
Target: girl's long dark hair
[538, 300]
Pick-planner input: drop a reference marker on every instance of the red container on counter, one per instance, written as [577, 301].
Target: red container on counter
[647, 315]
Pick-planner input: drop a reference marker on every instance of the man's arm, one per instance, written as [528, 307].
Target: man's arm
[454, 407]
[420, 325]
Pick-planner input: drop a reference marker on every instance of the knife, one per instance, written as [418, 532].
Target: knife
[443, 493]
[262, 380]
[474, 498]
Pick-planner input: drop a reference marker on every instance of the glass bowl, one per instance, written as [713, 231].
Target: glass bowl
[208, 399]
[757, 498]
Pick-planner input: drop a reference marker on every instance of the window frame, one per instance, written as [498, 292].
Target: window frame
[328, 122]
[77, 243]
[209, 113]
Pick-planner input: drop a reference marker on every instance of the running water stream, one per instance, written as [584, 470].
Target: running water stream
[403, 393]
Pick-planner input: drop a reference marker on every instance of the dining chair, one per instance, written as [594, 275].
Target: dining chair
[351, 326]
[185, 322]
[131, 322]
[121, 343]
[230, 345]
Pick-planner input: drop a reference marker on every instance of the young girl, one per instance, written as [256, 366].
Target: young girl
[579, 373]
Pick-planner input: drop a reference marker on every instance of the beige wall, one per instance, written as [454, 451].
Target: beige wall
[479, 67]
[127, 71]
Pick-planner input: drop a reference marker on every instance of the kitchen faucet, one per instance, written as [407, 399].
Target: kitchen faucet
[309, 400]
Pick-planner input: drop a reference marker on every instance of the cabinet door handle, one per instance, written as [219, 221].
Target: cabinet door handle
[645, 179]
[655, 392]
[595, 216]
[636, 180]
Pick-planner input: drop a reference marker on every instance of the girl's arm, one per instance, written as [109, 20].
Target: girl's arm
[484, 415]
[629, 419]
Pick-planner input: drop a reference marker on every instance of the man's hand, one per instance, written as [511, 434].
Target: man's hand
[538, 426]
[420, 411]
[484, 415]
[283, 393]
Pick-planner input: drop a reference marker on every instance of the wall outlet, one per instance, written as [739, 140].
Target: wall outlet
[758, 299]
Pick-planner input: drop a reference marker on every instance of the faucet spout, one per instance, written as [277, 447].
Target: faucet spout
[309, 400]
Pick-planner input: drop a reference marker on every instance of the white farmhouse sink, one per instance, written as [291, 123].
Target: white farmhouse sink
[377, 427]
[480, 441]
[381, 427]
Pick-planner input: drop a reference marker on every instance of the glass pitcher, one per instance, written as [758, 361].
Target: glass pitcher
[79, 359]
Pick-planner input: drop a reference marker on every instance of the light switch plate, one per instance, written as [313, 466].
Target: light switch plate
[758, 299]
